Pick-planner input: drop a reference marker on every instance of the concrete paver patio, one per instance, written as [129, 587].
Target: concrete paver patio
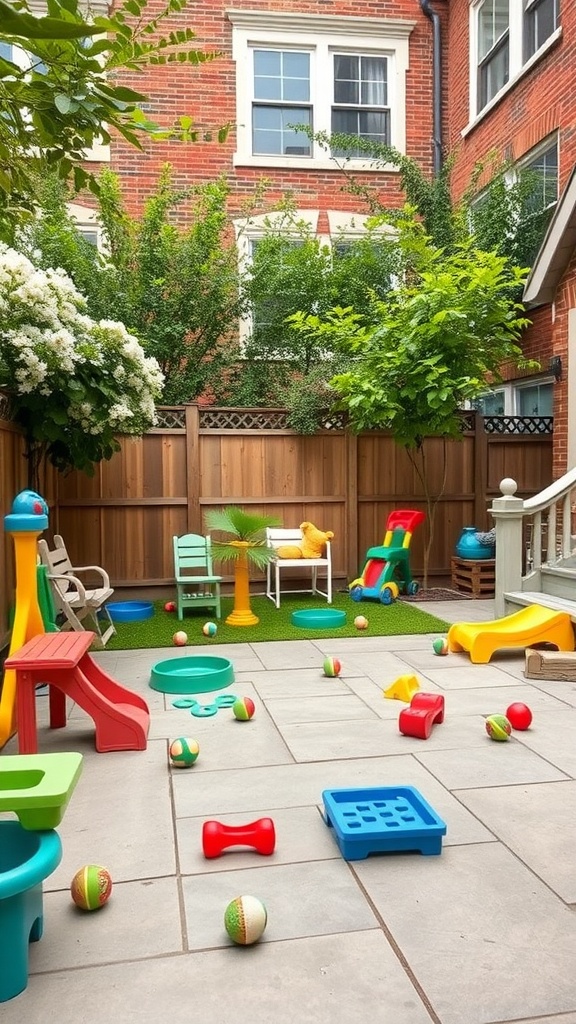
[484, 933]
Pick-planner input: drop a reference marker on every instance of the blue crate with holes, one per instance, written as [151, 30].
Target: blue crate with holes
[382, 819]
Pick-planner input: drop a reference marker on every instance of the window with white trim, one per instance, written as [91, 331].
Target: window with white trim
[326, 73]
[519, 398]
[505, 36]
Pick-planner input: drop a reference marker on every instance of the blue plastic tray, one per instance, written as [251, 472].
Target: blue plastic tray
[130, 611]
[385, 819]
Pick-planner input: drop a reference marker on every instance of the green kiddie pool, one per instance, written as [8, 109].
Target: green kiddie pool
[194, 674]
[318, 618]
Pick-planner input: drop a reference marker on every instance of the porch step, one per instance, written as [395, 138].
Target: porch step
[522, 598]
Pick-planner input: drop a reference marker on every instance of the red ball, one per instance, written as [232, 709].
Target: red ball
[170, 606]
[519, 716]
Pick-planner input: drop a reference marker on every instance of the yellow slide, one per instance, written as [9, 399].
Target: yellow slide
[532, 625]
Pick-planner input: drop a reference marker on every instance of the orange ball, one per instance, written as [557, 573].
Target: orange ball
[180, 639]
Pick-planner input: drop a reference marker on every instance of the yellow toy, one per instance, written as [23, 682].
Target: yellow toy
[312, 544]
[402, 688]
[532, 625]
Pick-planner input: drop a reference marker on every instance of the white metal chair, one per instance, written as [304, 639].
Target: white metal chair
[196, 583]
[278, 538]
[78, 603]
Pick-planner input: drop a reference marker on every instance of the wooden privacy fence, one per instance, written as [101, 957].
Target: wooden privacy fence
[201, 458]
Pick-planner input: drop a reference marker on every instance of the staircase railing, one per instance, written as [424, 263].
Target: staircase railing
[531, 533]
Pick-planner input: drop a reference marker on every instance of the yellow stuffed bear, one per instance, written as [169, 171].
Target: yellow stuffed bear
[312, 544]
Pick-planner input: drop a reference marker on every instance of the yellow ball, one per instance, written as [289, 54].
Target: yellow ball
[91, 887]
[180, 639]
[361, 622]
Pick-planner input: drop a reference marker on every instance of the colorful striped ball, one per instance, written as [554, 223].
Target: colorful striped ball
[243, 709]
[498, 728]
[440, 645]
[209, 629]
[91, 887]
[245, 919]
[183, 752]
[332, 667]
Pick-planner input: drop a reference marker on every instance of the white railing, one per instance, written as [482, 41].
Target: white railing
[532, 533]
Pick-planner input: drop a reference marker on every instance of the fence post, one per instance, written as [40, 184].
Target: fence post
[193, 515]
[351, 516]
[480, 470]
[507, 513]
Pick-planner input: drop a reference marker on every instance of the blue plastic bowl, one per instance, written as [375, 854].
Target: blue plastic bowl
[130, 611]
[318, 618]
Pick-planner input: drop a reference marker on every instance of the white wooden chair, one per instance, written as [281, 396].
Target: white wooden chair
[78, 602]
[278, 538]
[196, 584]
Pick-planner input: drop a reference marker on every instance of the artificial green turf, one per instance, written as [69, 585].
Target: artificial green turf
[398, 619]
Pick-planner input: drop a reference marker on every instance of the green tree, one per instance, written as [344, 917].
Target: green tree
[74, 383]
[175, 287]
[291, 270]
[70, 98]
[428, 348]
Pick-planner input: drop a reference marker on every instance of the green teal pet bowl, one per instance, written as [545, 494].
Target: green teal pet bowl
[318, 618]
[194, 674]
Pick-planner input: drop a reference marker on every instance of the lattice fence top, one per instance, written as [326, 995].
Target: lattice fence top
[519, 424]
[173, 418]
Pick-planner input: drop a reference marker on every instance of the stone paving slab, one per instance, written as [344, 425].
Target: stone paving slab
[485, 938]
[488, 764]
[336, 978]
[538, 823]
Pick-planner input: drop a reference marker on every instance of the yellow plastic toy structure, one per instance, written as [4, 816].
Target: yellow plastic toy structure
[402, 688]
[532, 625]
[26, 522]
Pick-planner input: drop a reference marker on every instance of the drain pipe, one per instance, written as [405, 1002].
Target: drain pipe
[434, 17]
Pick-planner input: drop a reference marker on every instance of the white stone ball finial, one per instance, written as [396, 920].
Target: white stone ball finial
[508, 486]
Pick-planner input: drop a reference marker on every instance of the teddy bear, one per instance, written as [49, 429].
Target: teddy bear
[311, 546]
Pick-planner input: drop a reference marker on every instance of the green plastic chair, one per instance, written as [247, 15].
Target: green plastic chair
[196, 584]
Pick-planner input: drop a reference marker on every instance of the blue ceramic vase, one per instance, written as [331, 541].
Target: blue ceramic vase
[469, 547]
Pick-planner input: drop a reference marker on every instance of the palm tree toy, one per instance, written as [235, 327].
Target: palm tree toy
[248, 548]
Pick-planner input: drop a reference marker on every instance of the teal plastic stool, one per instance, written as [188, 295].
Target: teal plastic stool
[26, 859]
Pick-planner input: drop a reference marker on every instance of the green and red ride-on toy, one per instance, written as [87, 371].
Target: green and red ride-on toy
[387, 570]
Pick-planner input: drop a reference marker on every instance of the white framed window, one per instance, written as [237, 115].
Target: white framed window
[506, 37]
[519, 398]
[87, 224]
[327, 73]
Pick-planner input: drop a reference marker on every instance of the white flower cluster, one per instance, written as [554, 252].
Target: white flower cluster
[49, 347]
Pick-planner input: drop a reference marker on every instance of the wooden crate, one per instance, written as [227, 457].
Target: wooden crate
[473, 578]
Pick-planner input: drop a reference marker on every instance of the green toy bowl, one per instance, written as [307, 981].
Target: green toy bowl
[195, 674]
[318, 618]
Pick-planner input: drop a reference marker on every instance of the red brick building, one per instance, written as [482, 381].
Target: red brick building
[509, 88]
[427, 76]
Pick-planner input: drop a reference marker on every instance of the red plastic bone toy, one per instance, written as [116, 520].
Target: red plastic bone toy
[426, 710]
[217, 837]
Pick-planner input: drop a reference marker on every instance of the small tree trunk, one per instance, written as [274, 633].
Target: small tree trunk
[242, 614]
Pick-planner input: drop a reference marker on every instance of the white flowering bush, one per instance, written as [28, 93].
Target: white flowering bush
[75, 383]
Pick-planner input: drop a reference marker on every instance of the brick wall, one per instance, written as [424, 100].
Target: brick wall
[208, 94]
[542, 101]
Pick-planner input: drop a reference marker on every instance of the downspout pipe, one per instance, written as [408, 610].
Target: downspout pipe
[437, 148]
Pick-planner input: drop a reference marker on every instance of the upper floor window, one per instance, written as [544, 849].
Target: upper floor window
[505, 35]
[300, 75]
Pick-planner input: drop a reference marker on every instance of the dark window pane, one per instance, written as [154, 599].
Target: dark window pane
[346, 92]
[346, 66]
[494, 74]
[540, 21]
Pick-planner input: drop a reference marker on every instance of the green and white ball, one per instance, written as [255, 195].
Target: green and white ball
[209, 629]
[183, 752]
[498, 728]
[440, 645]
[245, 919]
